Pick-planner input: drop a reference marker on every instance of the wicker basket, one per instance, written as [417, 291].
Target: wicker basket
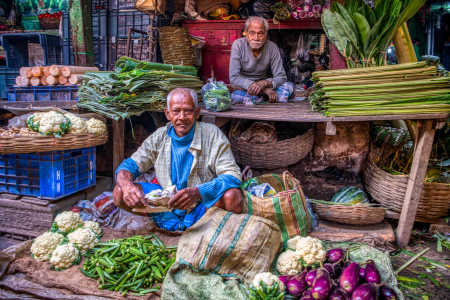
[176, 46]
[353, 215]
[273, 155]
[40, 143]
[389, 190]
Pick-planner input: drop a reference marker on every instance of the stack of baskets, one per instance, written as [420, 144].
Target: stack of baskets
[176, 46]
[389, 190]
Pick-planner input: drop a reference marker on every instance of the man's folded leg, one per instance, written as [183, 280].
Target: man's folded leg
[231, 201]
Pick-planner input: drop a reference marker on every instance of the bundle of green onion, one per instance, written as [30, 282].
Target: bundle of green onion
[411, 88]
[134, 87]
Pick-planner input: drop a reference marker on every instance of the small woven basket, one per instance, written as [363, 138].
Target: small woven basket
[176, 46]
[352, 215]
[272, 155]
[389, 190]
[41, 143]
[49, 23]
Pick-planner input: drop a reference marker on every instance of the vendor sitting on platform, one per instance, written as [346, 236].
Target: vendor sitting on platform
[256, 66]
[194, 156]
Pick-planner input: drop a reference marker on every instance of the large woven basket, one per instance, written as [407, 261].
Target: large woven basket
[176, 46]
[352, 215]
[389, 190]
[272, 155]
[41, 143]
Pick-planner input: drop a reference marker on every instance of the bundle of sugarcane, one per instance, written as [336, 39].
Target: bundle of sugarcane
[51, 75]
[411, 88]
[134, 87]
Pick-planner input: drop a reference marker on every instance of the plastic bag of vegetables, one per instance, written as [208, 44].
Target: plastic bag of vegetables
[216, 96]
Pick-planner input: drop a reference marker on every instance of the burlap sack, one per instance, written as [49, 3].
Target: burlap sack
[230, 244]
[287, 208]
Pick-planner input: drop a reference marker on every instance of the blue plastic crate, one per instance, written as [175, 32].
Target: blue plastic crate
[48, 175]
[43, 93]
[7, 79]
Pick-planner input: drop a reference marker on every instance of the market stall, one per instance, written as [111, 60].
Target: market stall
[367, 132]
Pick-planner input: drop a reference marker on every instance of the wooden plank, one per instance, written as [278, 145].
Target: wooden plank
[118, 142]
[415, 183]
[342, 233]
[302, 112]
[10, 106]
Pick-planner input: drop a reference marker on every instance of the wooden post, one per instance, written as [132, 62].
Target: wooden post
[118, 142]
[81, 27]
[415, 183]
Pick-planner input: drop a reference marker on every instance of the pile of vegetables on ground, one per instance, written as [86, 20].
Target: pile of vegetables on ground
[307, 271]
[68, 238]
[411, 88]
[57, 124]
[137, 264]
[134, 87]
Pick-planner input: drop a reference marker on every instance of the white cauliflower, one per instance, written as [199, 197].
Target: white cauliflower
[95, 126]
[309, 249]
[94, 226]
[84, 238]
[64, 256]
[44, 245]
[68, 220]
[269, 279]
[288, 263]
[50, 122]
[77, 124]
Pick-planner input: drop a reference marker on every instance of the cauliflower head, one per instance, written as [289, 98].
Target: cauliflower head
[95, 126]
[68, 220]
[64, 256]
[310, 249]
[50, 123]
[77, 124]
[268, 278]
[288, 263]
[84, 238]
[94, 226]
[44, 245]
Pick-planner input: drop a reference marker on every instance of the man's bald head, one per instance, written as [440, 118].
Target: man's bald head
[183, 92]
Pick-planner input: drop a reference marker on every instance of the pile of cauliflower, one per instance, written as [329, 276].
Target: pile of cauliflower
[300, 251]
[58, 124]
[69, 237]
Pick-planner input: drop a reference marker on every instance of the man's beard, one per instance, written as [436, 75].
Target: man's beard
[256, 45]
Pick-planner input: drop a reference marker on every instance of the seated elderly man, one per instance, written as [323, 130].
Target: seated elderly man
[256, 66]
[194, 156]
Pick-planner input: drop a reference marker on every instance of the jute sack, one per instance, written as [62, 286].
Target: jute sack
[287, 208]
[230, 244]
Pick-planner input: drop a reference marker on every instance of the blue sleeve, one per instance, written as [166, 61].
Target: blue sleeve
[129, 165]
[213, 190]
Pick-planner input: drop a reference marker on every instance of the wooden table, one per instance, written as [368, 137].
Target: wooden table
[301, 112]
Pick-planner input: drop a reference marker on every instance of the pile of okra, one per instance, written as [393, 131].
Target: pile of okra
[136, 264]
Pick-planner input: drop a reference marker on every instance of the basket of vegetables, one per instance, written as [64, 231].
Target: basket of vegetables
[349, 206]
[50, 21]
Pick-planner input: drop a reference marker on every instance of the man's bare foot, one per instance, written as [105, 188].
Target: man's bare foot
[271, 94]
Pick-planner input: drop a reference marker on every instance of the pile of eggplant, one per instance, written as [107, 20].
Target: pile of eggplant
[338, 279]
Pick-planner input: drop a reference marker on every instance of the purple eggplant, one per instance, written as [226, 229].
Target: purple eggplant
[284, 279]
[349, 277]
[372, 275]
[386, 293]
[333, 269]
[362, 273]
[310, 276]
[338, 294]
[307, 295]
[364, 292]
[335, 255]
[297, 284]
[322, 285]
